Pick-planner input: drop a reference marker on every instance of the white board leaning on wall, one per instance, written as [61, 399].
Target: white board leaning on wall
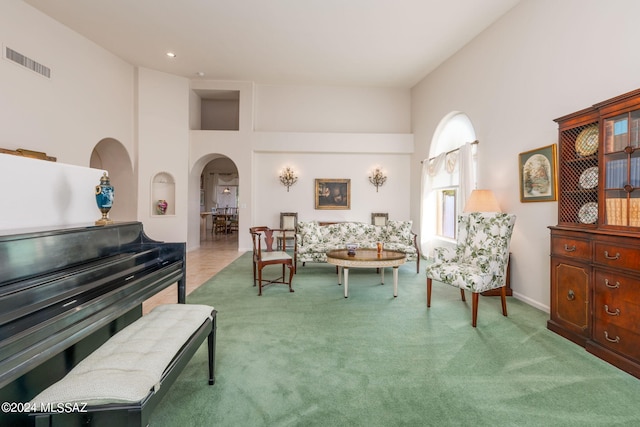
[38, 194]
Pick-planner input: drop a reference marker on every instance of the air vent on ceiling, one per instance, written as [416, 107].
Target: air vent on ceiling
[19, 58]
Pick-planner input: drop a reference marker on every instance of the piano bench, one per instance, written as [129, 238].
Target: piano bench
[122, 381]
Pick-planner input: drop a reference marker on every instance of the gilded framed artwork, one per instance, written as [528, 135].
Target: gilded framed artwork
[333, 193]
[538, 180]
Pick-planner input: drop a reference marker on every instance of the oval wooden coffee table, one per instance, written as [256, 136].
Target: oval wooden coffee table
[366, 258]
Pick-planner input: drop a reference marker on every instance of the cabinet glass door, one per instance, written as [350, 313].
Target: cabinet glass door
[634, 127]
[622, 170]
[579, 171]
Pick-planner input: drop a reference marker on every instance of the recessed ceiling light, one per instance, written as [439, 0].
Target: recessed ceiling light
[200, 73]
[171, 54]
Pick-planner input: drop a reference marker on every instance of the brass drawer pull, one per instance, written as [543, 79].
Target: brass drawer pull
[571, 295]
[611, 313]
[615, 340]
[609, 285]
[607, 256]
[568, 248]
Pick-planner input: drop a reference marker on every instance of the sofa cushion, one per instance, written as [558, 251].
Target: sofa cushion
[342, 233]
[399, 232]
[407, 249]
[465, 276]
[317, 247]
[332, 235]
[309, 232]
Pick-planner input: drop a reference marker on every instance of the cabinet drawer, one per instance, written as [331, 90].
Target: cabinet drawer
[621, 312]
[617, 338]
[574, 248]
[617, 300]
[616, 285]
[617, 256]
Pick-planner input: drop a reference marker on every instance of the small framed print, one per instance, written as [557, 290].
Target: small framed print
[538, 180]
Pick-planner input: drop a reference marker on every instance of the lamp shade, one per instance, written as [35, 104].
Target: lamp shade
[482, 201]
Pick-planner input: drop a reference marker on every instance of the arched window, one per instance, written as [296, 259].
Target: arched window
[448, 177]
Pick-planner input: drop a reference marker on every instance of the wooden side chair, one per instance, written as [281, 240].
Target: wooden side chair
[289, 222]
[264, 255]
[379, 218]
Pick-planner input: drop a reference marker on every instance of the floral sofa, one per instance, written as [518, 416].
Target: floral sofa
[313, 239]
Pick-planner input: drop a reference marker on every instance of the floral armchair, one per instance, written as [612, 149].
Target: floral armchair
[479, 261]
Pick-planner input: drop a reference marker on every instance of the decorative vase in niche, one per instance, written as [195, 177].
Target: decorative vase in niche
[162, 207]
[104, 199]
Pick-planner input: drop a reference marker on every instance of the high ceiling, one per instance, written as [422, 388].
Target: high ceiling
[384, 43]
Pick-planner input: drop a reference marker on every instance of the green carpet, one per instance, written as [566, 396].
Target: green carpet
[314, 358]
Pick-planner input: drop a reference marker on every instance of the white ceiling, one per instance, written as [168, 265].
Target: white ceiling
[385, 43]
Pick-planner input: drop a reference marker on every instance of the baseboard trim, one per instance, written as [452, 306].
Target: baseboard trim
[531, 302]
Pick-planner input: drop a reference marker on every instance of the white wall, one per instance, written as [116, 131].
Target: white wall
[542, 60]
[163, 139]
[349, 156]
[88, 99]
[205, 146]
[279, 127]
[332, 109]
[93, 96]
[89, 96]
[330, 132]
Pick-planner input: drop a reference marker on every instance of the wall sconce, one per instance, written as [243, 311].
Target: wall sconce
[227, 190]
[377, 178]
[288, 177]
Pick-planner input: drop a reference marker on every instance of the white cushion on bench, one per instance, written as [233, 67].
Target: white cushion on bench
[131, 363]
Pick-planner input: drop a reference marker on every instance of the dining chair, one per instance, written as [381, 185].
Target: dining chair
[220, 221]
[233, 219]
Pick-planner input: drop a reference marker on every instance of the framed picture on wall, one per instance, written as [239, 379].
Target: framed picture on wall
[538, 181]
[333, 193]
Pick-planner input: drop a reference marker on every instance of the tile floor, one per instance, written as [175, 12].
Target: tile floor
[216, 252]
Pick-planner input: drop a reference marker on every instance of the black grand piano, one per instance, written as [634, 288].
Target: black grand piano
[65, 292]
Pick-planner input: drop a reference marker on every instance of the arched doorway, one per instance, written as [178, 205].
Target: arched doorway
[220, 183]
[215, 182]
[110, 154]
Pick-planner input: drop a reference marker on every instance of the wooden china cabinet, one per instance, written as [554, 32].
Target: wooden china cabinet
[595, 248]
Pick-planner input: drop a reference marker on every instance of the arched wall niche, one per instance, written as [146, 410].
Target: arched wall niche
[163, 190]
[111, 155]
